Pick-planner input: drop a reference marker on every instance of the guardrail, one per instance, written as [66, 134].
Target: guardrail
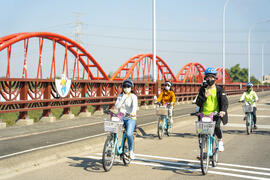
[23, 95]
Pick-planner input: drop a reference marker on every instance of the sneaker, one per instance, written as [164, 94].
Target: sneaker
[255, 127]
[221, 146]
[132, 155]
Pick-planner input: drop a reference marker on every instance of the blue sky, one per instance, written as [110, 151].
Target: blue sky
[187, 30]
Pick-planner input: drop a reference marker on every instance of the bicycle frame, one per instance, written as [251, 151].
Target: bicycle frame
[211, 140]
[165, 123]
[250, 117]
[119, 149]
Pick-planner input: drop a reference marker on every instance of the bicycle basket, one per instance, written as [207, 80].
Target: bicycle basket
[247, 108]
[113, 126]
[162, 110]
[205, 127]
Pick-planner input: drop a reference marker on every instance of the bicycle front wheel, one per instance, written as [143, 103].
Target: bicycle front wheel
[108, 153]
[169, 128]
[248, 123]
[251, 124]
[204, 157]
[160, 127]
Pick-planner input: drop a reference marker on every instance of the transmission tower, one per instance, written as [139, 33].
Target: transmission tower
[78, 28]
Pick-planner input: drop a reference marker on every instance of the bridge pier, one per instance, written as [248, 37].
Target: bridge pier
[67, 114]
[2, 124]
[23, 119]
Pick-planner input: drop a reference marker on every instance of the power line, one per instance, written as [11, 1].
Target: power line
[173, 29]
[172, 51]
[166, 40]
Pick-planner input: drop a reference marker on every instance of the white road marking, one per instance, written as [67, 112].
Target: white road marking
[211, 171]
[52, 145]
[195, 161]
[242, 115]
[244, 125]
[263, 109]
[71, 141]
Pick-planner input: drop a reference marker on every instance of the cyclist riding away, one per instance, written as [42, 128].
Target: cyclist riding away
[211, 99]
[167, 96]
[250, 97]
[127, 103]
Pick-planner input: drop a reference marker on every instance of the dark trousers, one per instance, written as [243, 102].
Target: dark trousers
[218, 131]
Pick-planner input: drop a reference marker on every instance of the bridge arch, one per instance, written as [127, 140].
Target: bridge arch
[139, 68]
[191, 73]
[84, 65]
[220, 76]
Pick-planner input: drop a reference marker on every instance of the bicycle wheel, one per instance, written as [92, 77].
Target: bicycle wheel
[248, 124]
[108, 153]
[125, 154]
[204, 158]
[251, 123]
[169, 128]
[214, 158]
[160, 127]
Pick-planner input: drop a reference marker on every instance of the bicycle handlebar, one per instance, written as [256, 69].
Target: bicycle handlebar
[198, 114]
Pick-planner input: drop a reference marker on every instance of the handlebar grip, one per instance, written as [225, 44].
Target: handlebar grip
[107, 111]
[193, 114]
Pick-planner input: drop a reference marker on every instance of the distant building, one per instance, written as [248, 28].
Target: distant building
[266, 78]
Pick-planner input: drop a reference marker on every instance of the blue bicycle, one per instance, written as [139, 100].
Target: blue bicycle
[111, 146]
[208, 144]
[164, 124]
[248, 110]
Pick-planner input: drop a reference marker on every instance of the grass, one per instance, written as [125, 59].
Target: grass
[10, 118]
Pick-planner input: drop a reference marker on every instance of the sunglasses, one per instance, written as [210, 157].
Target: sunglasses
[126, 86]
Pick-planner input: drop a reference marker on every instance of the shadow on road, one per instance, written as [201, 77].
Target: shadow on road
[89, 164]
[184, 135]
[259, 132]
[142, 134]
[185, 169]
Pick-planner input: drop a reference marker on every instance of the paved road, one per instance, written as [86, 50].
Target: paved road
[18, 140]
[245, 156]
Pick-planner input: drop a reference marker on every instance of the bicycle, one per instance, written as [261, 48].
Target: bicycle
[248, 110]
[111, 146]
[163, 120]
[208, 144]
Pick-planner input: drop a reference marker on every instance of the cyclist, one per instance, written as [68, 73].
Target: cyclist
[212, 98]
[167, 96]
[127, 103]
[250, 97]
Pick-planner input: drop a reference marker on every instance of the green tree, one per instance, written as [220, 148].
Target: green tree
[110, 74]
[254, 80]
[239, 74]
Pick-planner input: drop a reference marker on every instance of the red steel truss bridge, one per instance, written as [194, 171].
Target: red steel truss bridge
[31, 61]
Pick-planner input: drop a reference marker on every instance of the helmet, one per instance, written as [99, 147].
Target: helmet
[168, 83]
[210, 71]
[249, 84]
[128, 83]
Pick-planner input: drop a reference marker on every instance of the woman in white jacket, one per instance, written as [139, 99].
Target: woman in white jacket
[127, 103]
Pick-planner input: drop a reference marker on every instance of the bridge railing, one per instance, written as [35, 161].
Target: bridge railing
[23, 95]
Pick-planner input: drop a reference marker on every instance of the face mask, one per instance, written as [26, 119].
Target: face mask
[210, 82]
[167, 88]
[248, 89]
[127, 90]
